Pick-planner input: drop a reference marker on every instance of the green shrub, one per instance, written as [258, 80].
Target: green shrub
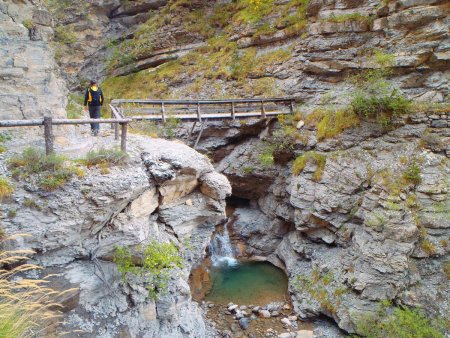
[28, 23]
[412, 174]
[374, 97]
[6, 189]
[252, 11]
[12, 213]
[318, 159]
[3, 137]
[398, 322]
[51, 171]
[31, 203]
[446, 268]
[349, 17]
[104, 157]
[332, 122]
[379, 104]
[428, 247]
[266, 157]
[154, 261]
[34, 161]
[65, 35]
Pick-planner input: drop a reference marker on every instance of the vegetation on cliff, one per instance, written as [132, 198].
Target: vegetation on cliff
[153, 261]
[399, 321]
[49, 171]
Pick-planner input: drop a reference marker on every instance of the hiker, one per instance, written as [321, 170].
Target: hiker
[93, 98]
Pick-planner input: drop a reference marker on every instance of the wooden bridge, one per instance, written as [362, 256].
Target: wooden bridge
[160, 110]
[200, 111]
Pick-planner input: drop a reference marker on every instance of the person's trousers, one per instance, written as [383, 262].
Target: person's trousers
[94, 113]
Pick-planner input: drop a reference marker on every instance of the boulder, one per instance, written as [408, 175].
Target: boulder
[264, 313]
[215, 186]
[244, 323]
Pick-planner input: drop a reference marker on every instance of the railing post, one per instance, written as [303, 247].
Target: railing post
[233, 111]
[263, 110]
[163, 113]
[48, 134]
[123, 141]
[292, 107]
[116, 131]
[199, 115]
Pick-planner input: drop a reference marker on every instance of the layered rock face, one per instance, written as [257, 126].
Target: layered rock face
[30, 85]
[331, 41]
[363, 233]
[168, 192]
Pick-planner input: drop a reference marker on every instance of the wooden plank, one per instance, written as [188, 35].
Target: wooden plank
[87, 121]
[163, 112]
[195, 102]
[193, 117]
[224, 109]
[116, 115]
[123, 141]
[199, 115]
[48, 135]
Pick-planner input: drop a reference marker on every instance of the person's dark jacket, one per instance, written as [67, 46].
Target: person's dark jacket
[93, 97]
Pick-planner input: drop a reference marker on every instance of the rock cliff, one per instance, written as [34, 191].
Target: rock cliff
[30, 84]
[365, 231]
[300, 48]
[166, 192]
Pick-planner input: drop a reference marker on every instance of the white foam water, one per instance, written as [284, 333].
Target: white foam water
[221, 249]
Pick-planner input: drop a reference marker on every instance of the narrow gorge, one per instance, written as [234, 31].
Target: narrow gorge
[327, 220]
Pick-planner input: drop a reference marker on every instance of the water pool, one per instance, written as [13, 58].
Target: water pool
[257, 283]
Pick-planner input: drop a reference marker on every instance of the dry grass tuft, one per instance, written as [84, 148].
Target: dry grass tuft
[28, 307]
[6, 189]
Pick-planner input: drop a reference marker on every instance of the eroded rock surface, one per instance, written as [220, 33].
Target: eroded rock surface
[30, 85]
[74, 231]
[360, 234]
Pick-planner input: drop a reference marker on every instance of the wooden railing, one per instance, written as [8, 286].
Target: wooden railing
[49, 122]
[198, 110]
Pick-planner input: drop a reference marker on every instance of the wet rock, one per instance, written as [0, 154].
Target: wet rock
[239, 315]
[244, 323]
[234, 327]
[256, 309]
[285, 335]
[264, 313]
[286, 321]
[233, 308]
[304, 334]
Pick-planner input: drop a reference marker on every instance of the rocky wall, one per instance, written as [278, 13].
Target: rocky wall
[30, 85]
[166, 192]
[360, 234]
[331, 42]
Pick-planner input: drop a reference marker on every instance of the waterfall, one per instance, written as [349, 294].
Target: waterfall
[221, 249]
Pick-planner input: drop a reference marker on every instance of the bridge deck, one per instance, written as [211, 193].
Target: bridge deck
[200, 110]
[194, 117]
